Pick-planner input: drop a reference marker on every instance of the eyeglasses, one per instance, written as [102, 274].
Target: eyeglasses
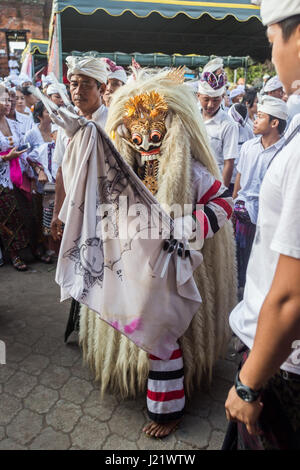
[215, 81]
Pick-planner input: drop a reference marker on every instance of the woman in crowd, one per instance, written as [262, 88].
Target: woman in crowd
[21, 106]
[15, 204]
[42, 141]
[24, 121]
[41, 132]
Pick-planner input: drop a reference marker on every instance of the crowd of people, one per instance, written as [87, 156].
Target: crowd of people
[252, 136]
[29, 162]
[246, 126]
[233, 115]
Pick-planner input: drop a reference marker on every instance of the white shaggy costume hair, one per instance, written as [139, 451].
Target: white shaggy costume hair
[117, 362]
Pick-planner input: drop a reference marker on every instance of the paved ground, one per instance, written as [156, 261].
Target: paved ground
[48, 399]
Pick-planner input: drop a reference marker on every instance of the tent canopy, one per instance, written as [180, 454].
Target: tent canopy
[163, 60]
[240, 9]
[168, 26]
[34, 55]
[35, 46]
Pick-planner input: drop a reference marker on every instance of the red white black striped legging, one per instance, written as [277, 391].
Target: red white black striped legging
[165, 395]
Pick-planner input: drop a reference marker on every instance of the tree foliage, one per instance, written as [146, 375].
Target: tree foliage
[255, 73]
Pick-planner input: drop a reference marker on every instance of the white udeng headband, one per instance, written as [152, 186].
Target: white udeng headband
[213, 65]
[205, 89]
[89, 66]
[118, 74]
[274, 11]
[51, 89]
[274, 107]
[272, 84]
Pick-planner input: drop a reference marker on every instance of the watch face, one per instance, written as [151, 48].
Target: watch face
[243, 394]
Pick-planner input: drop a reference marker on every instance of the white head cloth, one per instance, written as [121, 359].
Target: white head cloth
[114, 70]
[51, 89]
[273, 11]
[11, 89]
[90, 66]
[24, 78]
[7, 82]
[236, 116]
[205, 89]
[274, 107]
[273, 84]
[237, 92]
[14, 79]
[213, 65]
[46, 80]
[118, 74]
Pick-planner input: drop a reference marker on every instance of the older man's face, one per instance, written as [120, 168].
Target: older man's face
[85, 93]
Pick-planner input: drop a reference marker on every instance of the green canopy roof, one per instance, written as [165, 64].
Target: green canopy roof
[242, 10]
[220, 28]
[163, 60]
[35, 46]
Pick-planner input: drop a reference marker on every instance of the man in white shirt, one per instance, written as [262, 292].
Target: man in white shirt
[13, 65]
[237, 94]
[293, 123]
[256, 155]
[223, 133]
[293, 104]
[239, 114]
[265, 400]
[88, 77]
[274, 88]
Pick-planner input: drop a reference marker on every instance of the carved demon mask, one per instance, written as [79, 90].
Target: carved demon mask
[144, 120]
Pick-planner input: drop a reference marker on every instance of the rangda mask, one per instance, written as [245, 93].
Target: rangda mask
[144, 119]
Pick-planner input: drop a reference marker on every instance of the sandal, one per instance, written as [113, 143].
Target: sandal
[44, 258]
[18, 264]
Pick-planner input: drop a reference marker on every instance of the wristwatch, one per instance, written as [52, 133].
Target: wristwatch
[244, 392]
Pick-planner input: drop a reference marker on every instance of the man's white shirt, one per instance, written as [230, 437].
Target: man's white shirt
[223, 134]
[252, 166]
[295, 122]
[278, 232]
[245, 134]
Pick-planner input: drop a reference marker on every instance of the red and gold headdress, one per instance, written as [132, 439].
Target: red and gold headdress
[150, 107]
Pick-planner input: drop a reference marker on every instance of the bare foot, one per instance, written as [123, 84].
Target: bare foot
[154, 429]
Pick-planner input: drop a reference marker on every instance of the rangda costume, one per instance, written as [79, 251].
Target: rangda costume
[156, 126]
